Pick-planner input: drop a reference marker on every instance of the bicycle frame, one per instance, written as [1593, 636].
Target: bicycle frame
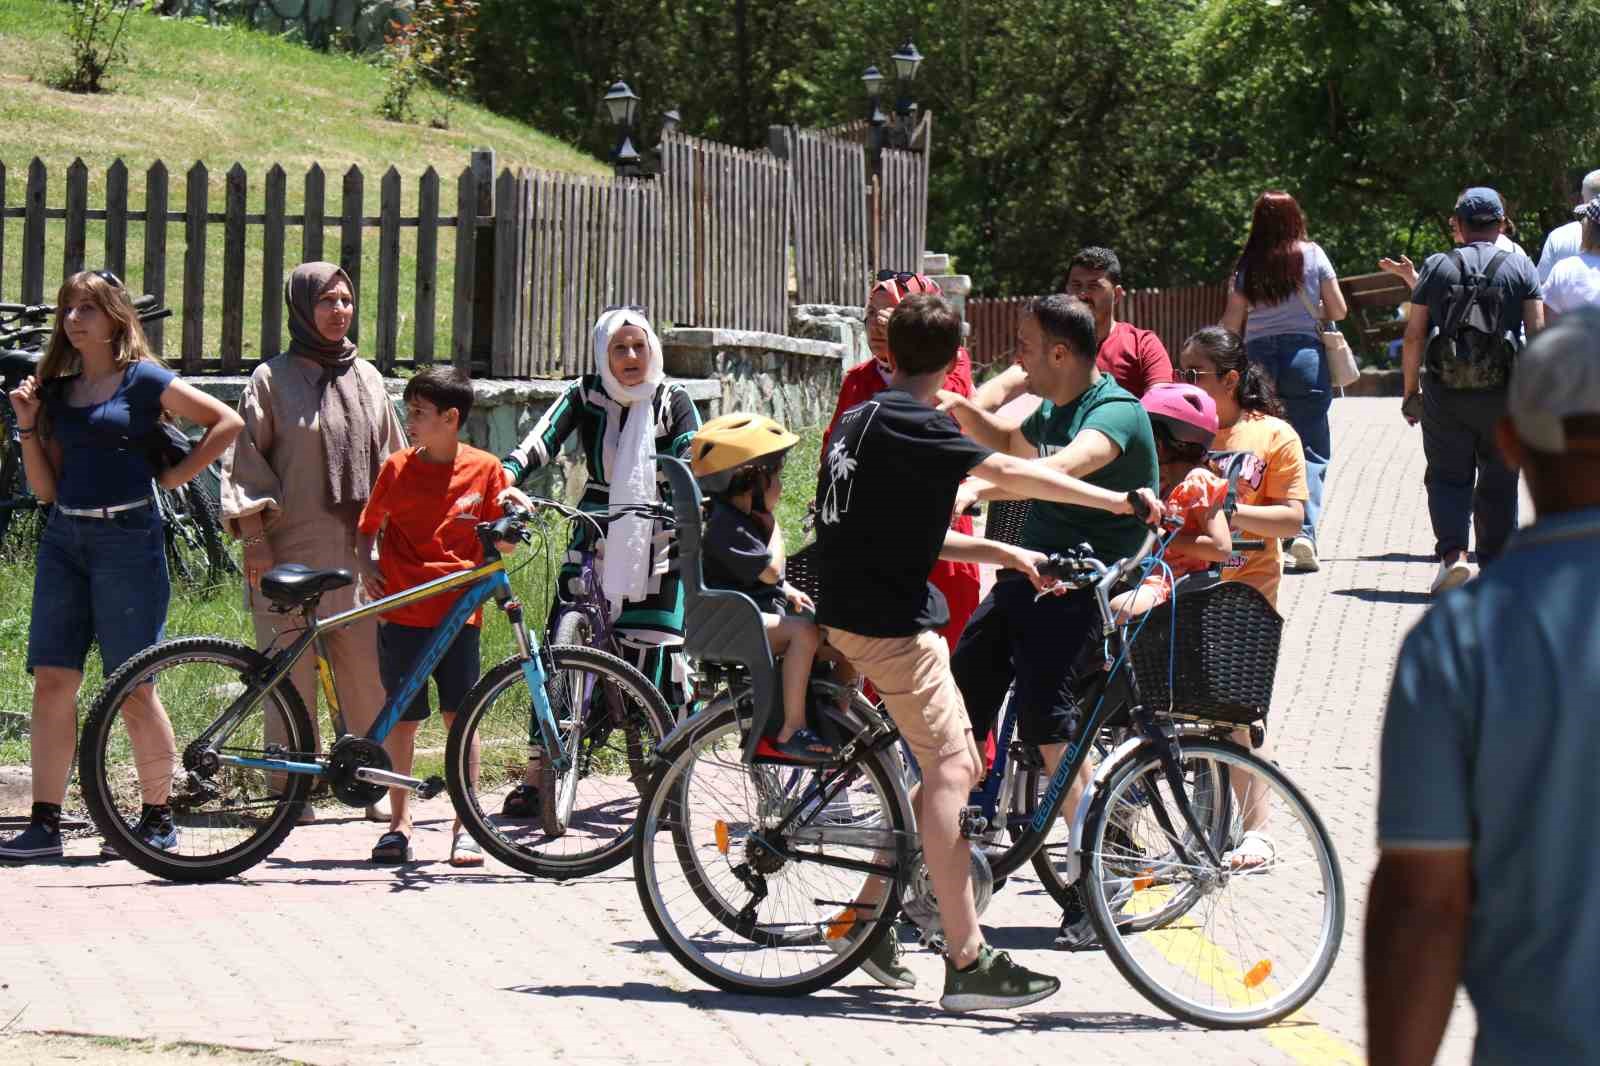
[1147, 731]
[479, 585]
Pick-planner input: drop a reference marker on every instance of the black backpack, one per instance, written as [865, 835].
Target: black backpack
[1471, 351]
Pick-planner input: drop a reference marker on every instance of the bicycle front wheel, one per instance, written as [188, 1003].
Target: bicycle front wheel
[1233, 943]
[618, 719]
[741, 915]
[135, 752]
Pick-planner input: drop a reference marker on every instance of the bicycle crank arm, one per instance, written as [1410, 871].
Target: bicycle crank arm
[423, 789]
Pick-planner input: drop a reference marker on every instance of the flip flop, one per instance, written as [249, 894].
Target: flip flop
[392, 849]
[464, 851]
[1256, 853]
[803, 748]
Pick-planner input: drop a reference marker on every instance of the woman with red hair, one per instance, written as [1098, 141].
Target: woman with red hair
[957, 581]
[1284, 288]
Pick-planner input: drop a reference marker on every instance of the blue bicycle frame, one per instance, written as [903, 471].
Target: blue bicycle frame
[477, 586]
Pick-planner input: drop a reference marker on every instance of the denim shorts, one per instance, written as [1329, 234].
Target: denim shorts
[98, 580]
[399, 648]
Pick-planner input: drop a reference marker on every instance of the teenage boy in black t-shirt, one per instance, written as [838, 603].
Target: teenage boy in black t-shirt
[884, 497]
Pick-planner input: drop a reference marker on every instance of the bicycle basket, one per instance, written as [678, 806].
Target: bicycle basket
[1004, 521]
[1227, 654]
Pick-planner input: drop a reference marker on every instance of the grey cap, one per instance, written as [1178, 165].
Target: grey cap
[1591, 185]
[1558, 376]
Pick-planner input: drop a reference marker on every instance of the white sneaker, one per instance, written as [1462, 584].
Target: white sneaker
[1450, 575]
[1304, 554]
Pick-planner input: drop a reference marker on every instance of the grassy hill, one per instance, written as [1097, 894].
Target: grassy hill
[222, 95]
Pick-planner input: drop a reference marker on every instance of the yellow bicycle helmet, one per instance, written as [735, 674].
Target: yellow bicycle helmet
[732, 444]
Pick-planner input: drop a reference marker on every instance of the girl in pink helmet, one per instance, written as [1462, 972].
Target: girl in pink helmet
[1184, 419]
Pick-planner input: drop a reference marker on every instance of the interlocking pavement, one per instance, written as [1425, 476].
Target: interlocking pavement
[317, 956]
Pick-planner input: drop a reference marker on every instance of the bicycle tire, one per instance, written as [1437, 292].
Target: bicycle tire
[573, 628]
[100, 791]
[1195, 950]
[197, 554]
[663, 814]
[650, 716]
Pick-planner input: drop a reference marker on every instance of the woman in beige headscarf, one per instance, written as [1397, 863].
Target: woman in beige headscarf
[317, 427]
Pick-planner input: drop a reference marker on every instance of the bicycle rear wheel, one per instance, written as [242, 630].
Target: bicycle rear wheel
[227, 818]
[619, 719]
[197, 554]
[735, 913]
[1224, 945]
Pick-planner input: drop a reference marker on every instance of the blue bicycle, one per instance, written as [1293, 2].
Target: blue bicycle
[213, 729]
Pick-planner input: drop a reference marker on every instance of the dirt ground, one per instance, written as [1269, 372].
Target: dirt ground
[29, 1049]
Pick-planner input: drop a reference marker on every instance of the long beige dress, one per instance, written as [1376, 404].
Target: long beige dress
[277, 468]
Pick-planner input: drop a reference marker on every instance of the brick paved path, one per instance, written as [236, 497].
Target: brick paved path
[317, 956]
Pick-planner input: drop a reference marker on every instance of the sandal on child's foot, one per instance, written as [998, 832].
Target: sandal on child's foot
[393, 848]
[464, 851]
[803, 746]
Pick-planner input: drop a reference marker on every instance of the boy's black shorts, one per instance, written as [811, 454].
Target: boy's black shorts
[399, 648]
[1011, 635]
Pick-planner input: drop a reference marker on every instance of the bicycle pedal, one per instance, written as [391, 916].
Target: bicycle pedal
[973, 823]
[431, 787]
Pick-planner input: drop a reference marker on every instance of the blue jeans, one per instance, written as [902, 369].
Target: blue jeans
[102, 580]
[1299, 369]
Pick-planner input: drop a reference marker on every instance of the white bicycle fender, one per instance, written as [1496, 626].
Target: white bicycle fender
[1081, 815]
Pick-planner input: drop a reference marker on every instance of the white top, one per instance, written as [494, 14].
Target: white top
[1574, 282]
[1564, 241]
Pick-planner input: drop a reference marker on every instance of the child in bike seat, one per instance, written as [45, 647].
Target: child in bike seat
[738, 460]
[420, 523]
[1184, 420]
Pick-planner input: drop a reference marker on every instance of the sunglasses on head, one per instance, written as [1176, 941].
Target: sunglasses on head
[108, 277]
[636, 308]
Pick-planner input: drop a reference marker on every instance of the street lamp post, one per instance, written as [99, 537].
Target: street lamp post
[906, 62]
[622, 104]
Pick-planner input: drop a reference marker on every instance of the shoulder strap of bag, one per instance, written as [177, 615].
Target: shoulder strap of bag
[1300, 290]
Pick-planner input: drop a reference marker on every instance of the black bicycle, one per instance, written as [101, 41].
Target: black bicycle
[782, 883]
[198, 556]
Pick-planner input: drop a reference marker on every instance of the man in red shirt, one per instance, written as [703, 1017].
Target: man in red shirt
[1135, 357]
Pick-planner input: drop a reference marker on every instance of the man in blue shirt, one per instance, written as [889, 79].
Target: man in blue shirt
[1489, 874]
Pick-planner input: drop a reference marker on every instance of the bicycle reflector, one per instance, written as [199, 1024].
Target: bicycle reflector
[1258, 973]
[722, 836]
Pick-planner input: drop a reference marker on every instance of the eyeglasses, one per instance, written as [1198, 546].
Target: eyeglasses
[637, 308]
[1191, 376]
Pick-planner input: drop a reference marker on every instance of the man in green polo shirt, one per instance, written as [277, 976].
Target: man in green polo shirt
[1092, 428]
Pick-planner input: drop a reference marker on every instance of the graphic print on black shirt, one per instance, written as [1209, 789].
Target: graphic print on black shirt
[884, 497]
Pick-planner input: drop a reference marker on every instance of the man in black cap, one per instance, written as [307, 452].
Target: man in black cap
[1481, 298]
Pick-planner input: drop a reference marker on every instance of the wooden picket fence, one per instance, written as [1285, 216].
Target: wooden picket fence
[728, 220]
[349, 223]
[532, 259]
[1173, 314]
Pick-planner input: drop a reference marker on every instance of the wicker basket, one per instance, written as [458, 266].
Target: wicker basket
[1004, 521]
[1227, 655]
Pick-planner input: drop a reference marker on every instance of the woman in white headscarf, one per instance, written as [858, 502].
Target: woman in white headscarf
[624, 416]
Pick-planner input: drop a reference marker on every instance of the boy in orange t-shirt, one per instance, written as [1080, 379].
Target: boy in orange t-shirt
[420, 524]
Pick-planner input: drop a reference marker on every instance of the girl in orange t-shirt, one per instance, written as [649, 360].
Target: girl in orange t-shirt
[1184, 420]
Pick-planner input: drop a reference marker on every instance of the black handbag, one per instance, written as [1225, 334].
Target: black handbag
[166, 446]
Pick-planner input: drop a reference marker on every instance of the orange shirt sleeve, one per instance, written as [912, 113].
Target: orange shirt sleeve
[377, 506]
[1286, 468]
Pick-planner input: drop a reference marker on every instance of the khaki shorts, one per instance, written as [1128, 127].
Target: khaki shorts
[912, 675]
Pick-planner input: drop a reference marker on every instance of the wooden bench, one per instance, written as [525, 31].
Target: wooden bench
[1372, 299]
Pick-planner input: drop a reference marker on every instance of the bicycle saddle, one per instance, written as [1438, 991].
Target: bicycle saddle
[297, 585]
[16, 364]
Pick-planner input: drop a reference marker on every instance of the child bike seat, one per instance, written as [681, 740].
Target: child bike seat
[295, 585]
[719, 625]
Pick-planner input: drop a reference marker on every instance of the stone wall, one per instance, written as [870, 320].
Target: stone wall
[794, 380]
